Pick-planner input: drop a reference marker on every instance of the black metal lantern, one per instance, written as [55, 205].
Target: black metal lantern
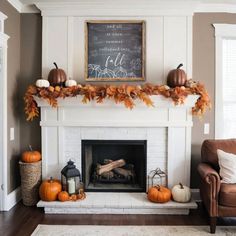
[70, 178]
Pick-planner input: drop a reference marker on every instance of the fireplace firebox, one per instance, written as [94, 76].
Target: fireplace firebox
[114, 165]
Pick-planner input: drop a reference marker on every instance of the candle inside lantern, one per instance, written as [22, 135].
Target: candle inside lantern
[71, 186]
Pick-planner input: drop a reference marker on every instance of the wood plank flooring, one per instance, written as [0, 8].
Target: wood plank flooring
[22, 220]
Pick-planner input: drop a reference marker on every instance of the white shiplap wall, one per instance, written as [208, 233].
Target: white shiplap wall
[168, 43]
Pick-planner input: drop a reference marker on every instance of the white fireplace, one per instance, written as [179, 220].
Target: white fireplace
[165, 127]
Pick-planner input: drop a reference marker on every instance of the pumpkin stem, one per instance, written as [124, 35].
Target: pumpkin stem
[181, 186]
[180, 65]
[55, 64]
[158, 187]
[30, 148]
[50, 179]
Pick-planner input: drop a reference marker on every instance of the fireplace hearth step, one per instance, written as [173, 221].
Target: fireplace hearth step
[116, 203]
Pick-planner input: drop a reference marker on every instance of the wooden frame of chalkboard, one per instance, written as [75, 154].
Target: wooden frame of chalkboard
[115, 50]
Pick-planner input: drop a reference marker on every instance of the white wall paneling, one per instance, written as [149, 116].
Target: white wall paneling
[56, 47]
[168, 43]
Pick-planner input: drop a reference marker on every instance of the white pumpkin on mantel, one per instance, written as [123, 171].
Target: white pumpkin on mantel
[181, 193]
[42, 83]
[70, 83]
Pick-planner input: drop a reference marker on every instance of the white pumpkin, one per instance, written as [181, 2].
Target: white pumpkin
[181, 193]
[42, 83]
[70, 83]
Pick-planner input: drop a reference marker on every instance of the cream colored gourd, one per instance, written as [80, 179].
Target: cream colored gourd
[181, 193]
[70, 83]
[42, 83]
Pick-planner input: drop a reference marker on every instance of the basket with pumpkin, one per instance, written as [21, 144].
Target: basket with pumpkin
[30, 172]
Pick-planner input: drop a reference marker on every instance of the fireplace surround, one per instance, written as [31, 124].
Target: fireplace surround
[166, 129]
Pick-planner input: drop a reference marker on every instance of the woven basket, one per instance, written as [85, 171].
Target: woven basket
[31, 175]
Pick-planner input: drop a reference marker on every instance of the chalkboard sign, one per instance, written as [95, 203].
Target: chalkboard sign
[114, 50]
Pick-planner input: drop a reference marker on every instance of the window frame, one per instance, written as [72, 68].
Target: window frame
[222, 31]
[3, 116]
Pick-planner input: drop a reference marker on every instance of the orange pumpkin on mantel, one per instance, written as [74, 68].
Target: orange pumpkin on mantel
[57, 76]
[49, 189]
[176, 77]
[30, 156]
[159, 194]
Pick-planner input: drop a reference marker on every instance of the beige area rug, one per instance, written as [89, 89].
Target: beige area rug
[91, 230]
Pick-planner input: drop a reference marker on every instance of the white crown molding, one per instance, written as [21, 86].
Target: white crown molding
[216, 7]
[23, 8]
[30, 9]
[122, 7]
[117, 8]
[2, 17]
[16, 4]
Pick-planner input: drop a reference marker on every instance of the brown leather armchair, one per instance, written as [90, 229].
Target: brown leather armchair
[218, 198]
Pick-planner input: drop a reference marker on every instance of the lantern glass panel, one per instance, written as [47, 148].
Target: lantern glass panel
[64, 183]
[157, 177]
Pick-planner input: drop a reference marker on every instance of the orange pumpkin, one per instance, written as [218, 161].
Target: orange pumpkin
[176, 77]
[31, 156]
[63, 196]
[159, 194]
[81, 196]
[49, 189]
[57, 76]
[73, 197]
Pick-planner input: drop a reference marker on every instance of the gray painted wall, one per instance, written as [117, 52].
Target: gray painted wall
[204, 71]
[12, 28]
[24, 66]
[31, 50]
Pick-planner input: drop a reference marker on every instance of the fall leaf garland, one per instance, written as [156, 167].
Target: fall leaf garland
[126, 94]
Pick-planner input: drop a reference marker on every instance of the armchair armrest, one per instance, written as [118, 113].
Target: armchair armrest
[210, 187]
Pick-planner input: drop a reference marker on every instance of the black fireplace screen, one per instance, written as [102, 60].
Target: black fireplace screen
[114, 165]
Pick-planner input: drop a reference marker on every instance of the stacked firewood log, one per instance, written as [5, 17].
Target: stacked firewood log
[111, 168]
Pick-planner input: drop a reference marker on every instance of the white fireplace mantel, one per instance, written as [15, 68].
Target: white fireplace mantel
[72, 112]
[166, 127]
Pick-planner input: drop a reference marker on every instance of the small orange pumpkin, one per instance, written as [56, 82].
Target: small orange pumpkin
[49, 189]
[81, 196]
[176, 77]
[159, 194]
[31, 156]
[73, 197]
[63, 196]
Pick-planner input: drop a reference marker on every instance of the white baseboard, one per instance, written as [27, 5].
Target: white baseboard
[196, 194]
[12, 199]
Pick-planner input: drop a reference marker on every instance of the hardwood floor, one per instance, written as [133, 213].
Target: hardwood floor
[22, 220]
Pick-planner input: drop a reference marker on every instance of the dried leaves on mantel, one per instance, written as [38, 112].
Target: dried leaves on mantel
[126, 94]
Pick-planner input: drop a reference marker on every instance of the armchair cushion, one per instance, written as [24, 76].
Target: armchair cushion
[227, 163]
[209, 150]
[227, 196]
